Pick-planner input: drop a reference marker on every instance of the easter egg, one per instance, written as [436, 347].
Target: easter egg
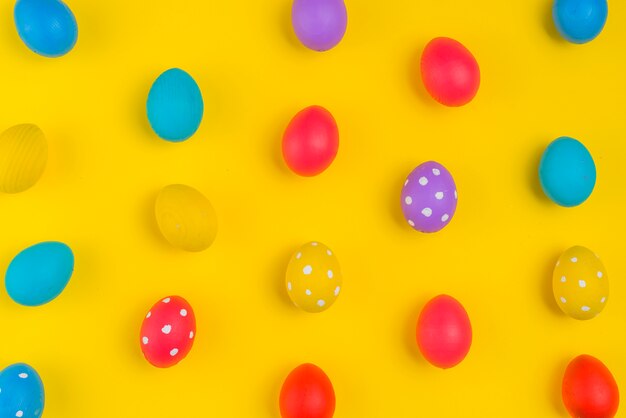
[47, 27]
[589, 389]
[319, 24]
[311, 141]
[429, 197]
[580, 283]
[567, 172]
[580, 21]
[168, 332]
[444, 332]
[21, 392]
[313, 277]
[39, 273]
[307, 393]
[185, 217]
[23, 157]
[450, 72]
[175, 106]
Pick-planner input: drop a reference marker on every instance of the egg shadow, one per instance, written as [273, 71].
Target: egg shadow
[273, 401]
[278, 277]
[130, 331]
[533, 176]
[547, 291]
[275, 132]
[148, 219]
[394, 198]
[286, 27]
[410, 340]
[141, 89]
[555, 389]
[415, 78]
[548, 22]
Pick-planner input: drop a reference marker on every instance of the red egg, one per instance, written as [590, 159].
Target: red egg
[168, 332]
[450, 72]
[444, 332]
[307, 393]
[311, 141]
[589, 389]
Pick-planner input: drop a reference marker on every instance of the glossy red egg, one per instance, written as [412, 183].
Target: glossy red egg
[311, 141]
[589, 389]
[450, 72]
[444, 332]
[168, 332]
[307, 393]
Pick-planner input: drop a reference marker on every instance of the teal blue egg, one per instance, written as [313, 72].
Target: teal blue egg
[175, 106]
[39, 273]
[567, 172]
[21, 392]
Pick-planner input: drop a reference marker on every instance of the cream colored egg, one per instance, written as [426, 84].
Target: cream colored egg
[185, 217]
[23, 157]
[313, 277]
[580, 283]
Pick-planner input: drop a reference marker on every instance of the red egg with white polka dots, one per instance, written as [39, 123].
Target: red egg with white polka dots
[168, 331]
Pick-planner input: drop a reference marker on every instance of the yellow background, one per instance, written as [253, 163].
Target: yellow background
[496, 256]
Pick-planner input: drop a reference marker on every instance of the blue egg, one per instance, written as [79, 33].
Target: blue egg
[567, 172]
[580, 21]
[175, 105]
[48, 27]
[21, 392]
[39, 273]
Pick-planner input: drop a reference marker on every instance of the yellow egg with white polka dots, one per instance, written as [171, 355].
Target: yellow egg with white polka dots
[580, 283]
[313, 277]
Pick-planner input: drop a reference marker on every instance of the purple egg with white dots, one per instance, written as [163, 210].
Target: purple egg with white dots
[429, 197]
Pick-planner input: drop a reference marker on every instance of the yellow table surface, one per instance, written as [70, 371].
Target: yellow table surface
[496, 256]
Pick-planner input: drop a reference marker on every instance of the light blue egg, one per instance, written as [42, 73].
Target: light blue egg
[175, 105]
[21, 392]
[48, 27]
[580, 21]
[39, 273]
[567, 172]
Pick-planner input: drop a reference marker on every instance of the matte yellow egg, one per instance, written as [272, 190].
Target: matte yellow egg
[186, 218]
[23, 157]
[313, 277]
[580, 283]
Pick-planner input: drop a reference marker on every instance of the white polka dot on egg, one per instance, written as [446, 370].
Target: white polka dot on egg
[599, 275]
[173, 352]
[183, 312]
[411, 223]
[423, 181]
[582, 283]
[337, 290]
[166, 329]
[603, 300]
[573, 259]
[289, 286]
[19, 414]
[308, 292]
[563, 279]
[321, 303]
[445, 217]
[427, 212]
[439, 195]
[298, 256]
[408, 200]
[190, 334]
[436, 171]
[307, 270]
[330, 274]
[166, 300]
[23, 375]
[585, 308]
[563, 300]
[145, 340]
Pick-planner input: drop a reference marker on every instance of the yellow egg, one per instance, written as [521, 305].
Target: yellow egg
[580, 283]
[23, 157]
[313, 277]
[186, 218]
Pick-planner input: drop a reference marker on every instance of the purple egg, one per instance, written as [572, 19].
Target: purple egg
[429, 197]
[319, 24]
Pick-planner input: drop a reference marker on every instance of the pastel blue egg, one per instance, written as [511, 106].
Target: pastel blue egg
[567, 172]
[175, 105]
[21, 392]
[580, 21]
[48, 27]
[39, 273]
